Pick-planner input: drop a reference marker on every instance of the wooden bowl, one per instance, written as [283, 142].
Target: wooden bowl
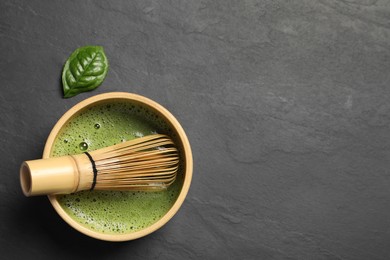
[182, 143]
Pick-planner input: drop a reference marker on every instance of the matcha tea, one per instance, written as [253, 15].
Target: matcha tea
[113, 212]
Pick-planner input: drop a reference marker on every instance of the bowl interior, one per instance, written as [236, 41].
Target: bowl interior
[101, 121]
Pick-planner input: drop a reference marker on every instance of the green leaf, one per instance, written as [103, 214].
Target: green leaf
[84, 70]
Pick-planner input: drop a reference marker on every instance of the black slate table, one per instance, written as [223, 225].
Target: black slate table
[286, 105]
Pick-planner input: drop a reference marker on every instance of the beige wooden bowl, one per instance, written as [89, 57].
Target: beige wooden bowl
[183, 144]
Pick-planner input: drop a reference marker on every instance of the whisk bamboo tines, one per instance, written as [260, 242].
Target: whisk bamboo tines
[148, 163]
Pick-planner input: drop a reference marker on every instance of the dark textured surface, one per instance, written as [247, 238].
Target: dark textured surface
[286, 104]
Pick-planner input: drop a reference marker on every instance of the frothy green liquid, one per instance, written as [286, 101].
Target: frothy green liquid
[113, 212]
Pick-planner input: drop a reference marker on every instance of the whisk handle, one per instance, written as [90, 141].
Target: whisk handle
[49, 176]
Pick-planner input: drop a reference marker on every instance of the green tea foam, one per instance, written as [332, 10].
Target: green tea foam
[113, 212]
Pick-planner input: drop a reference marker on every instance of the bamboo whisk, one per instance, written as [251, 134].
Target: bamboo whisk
[148, 163]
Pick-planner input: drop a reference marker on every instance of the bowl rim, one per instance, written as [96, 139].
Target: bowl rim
[186, 151]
